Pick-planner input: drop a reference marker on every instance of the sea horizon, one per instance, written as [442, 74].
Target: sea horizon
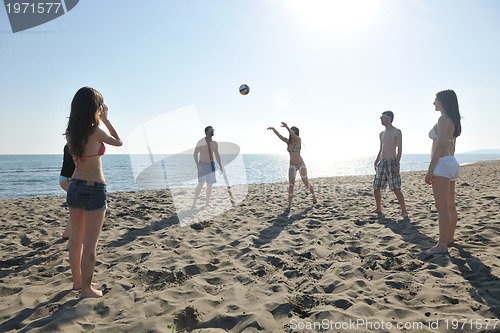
[36, 175]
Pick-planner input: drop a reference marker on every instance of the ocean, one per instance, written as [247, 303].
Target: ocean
[23, 176]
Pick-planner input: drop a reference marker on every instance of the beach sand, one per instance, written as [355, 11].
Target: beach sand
[333, 267]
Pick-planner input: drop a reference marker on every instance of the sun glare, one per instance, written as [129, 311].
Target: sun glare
[330, 16]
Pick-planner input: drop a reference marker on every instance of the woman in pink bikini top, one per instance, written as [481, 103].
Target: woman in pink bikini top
[86, 196]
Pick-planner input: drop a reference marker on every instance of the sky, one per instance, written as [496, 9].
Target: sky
[169, 68]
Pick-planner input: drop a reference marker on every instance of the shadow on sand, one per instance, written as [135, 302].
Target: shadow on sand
[133, 233]
[283, 220]
[16, 322]
[485, 286]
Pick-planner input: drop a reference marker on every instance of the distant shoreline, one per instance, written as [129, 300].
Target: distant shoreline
[278, 183]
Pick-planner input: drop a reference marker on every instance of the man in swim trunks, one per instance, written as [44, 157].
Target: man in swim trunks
[206, 148]
[387, 163]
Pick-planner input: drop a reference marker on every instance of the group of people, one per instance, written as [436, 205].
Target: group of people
[83, 178]
[442, 172]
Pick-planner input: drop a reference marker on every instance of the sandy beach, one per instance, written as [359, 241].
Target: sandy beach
[331, 267]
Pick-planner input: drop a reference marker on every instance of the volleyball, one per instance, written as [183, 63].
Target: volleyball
[244, 89]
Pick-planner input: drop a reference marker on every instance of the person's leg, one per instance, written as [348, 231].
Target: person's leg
[292, 171]
[93, 224]
[394, 180]
[65, 185]
[303, 175]
[208, 194]
[378, 184]
[401, 201]
[377, 194]
[67, 230]
[453, 213]
[77, 221]
[197, 192]
[441, 189]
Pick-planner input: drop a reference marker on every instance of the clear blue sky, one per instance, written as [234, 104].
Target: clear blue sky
[328, 67]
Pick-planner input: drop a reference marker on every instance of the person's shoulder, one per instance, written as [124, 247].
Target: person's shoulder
[443, 119]
[98, 134]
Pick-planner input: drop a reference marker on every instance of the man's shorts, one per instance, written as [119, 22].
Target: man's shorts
[447, 166]
[207, 172]
[384, 175]
[87, 195]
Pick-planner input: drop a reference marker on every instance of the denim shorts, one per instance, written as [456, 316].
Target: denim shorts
[87, 195]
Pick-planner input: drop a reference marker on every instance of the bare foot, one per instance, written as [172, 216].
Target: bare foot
[90, 293]
[437, 249]
[376, 211]
[315, 201]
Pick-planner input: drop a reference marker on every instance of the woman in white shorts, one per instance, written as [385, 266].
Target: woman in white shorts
[444, 169]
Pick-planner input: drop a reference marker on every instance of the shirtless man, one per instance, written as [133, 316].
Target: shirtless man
[387, 163]
[206, 164]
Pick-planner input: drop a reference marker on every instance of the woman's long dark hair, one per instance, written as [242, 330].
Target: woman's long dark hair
[294, 130]
[449, 101]
[83, 119]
